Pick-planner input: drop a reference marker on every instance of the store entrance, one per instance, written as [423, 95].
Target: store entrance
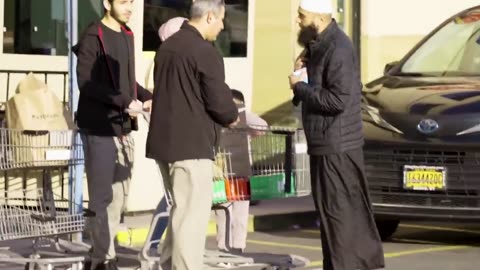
[348, 18]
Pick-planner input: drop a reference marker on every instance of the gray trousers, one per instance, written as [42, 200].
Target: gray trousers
[190, 185]
[108, 164]
[238, 225]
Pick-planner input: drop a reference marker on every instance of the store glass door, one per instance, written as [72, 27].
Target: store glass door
[348, 18]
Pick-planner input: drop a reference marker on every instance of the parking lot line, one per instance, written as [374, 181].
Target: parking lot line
[277, 244]
[438, 228]
[315, 264]
[405, 240]
[311, 231]
[415, 241]
[406, 253]
[423, 250]
[423, 227]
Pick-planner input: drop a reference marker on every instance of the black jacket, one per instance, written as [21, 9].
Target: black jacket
[331, 108]
[101, 103]
[190, 99]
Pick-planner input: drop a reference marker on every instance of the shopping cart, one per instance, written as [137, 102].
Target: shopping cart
[278, 167]
[37, 212]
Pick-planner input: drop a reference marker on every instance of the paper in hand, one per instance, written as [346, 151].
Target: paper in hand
[299, 72]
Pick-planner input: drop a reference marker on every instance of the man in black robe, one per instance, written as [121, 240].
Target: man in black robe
[331, 112]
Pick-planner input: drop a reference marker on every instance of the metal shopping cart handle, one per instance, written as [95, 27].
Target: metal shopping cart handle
[289, 132]
[43, 217]
[48, 217]
[35, 132]
[146, 115]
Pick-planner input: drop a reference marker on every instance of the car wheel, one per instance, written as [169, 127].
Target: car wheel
[386, 228]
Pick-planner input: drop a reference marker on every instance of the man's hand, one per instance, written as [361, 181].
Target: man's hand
[299, 63]
[147, 106]
[135, 105]
[232, 125]
[294, 79]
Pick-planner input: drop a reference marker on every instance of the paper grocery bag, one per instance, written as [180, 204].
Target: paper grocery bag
[35, 108]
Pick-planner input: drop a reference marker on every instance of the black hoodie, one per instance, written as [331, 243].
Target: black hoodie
[102, 104]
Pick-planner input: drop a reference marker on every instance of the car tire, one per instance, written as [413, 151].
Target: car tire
[386, 228]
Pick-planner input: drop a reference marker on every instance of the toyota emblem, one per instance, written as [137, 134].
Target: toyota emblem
[428, 126]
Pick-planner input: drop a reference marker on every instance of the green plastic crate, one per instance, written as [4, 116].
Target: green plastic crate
[219, 193]
[272, 186]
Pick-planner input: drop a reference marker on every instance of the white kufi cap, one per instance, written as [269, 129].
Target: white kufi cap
[317, 6]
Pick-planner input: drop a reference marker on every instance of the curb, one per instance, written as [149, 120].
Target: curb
[136, 237]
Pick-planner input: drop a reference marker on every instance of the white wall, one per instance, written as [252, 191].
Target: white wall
[408, 17]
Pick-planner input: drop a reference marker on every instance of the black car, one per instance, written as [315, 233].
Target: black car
[422, 129]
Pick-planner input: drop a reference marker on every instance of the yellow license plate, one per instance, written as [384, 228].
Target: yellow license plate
[424, 178]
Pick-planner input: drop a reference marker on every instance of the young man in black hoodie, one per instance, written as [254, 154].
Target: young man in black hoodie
[191, 102]
[106, 79]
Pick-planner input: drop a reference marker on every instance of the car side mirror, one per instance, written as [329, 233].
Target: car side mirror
[389, 67]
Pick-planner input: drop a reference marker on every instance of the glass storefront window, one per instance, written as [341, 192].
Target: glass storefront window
[88, 12]
[348, 19]
[35, 27]
[341, 14]
[232, 42]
